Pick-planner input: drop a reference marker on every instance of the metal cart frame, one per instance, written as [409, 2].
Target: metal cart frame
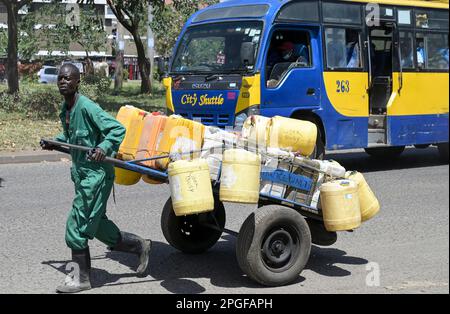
[274, 242]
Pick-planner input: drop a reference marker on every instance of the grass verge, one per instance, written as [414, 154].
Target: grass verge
[20, 132]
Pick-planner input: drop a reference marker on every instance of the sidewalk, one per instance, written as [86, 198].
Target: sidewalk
[21, 157]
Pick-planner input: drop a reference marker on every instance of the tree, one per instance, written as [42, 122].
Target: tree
[132, 14]
[23, 37]
[58, 32]
[169, 21]
[27, 44]
[12, 73]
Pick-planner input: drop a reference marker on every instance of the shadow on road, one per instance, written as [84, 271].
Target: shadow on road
[411, 158]
[323, 261]
[183, 273]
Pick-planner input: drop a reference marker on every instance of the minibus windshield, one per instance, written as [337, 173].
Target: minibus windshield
[219, 48]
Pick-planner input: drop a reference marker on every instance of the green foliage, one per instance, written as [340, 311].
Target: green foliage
[55, 33]
[39, 101]
[101, 83]
[90, 34]
[37, 104]
[169, 20]
[28, 44]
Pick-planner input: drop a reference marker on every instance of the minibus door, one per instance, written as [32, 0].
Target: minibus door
[381, 53]
[293, 82]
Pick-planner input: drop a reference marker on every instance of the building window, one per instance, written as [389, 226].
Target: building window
[343, 48]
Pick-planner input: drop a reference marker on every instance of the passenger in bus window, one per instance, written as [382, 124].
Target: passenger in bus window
[421, 54]
[353, 54]
[336, 49]
[407, 55]
[444, 59]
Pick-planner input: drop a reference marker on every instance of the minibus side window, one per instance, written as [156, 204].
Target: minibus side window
[343, 48]
[406, 48]
[288, 50]
[432, 51]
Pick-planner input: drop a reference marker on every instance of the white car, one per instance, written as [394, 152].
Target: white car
[48, 75]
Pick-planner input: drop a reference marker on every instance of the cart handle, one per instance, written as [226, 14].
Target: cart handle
[65, 148]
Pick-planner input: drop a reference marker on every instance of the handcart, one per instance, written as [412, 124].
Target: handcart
[274, 242]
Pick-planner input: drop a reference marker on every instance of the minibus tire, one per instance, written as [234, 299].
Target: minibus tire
[273, 246]
[385, 152]
[187, 233]
[422, 146]
[319, 149]
[443, 152]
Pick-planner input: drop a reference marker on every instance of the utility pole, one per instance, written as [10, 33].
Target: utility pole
[150, 39]
[120, 47]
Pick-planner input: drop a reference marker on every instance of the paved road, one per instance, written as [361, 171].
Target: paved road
[408, 241]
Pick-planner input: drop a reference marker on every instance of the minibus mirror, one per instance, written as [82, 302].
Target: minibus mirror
[160, 64]
[247, 53]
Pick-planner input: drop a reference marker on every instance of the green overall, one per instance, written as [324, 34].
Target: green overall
[92, 127]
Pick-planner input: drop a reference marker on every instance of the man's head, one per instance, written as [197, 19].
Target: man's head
[287, 49]
[68, 79]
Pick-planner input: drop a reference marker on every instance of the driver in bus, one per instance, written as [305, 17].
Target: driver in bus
[284, 53]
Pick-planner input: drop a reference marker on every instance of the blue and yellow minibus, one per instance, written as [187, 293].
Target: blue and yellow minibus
[370, 75]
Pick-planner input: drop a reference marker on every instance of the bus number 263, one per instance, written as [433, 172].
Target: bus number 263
[343, 86]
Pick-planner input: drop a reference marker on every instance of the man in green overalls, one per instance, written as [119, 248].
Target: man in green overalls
[86, 124]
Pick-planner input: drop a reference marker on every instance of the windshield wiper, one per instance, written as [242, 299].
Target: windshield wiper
[212, 77]
[243, 69]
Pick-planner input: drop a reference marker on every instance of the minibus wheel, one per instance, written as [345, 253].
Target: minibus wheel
[421, 146]
[443, 151]
[193, 234]
[385, 152]
[319, 150]
[273, 245]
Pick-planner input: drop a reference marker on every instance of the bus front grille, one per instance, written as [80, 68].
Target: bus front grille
[220, 120]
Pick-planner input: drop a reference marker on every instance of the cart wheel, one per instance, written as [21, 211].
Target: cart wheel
[320, 235]
[273, 245]
[193, 234]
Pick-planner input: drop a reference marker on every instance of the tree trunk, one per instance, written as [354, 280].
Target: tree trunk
[11, 65]
[144, 65]
[118, 76]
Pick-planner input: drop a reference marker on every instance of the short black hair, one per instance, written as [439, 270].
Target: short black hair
[75, 71]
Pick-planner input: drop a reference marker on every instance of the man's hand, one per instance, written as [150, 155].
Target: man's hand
[96, 154]
[46, 146]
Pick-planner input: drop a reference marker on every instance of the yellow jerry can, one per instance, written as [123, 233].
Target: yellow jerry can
[340, 205]
[240, 178]
[190, 187]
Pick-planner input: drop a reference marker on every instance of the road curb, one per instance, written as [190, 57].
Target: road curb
[32, 157]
